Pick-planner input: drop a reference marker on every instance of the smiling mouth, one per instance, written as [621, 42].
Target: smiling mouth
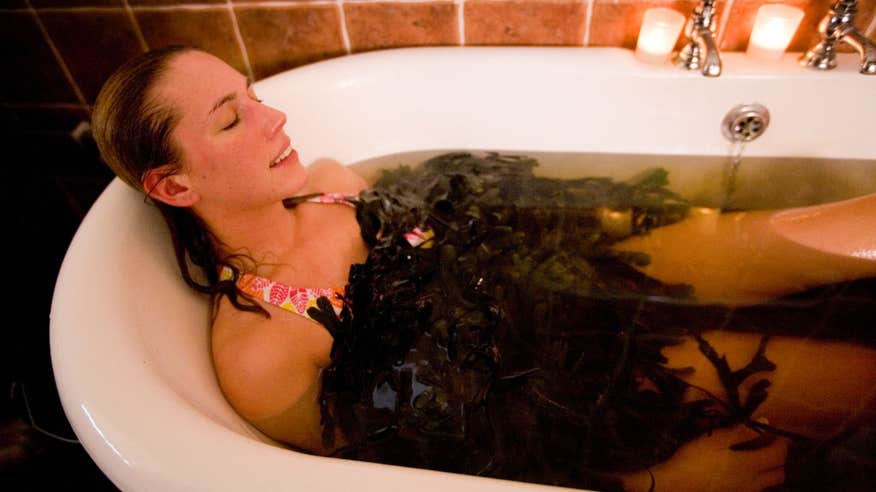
[283, 155]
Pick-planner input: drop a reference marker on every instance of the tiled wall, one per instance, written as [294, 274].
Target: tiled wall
[58, 52]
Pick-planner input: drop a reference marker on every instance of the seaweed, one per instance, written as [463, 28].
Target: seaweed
[514, 341]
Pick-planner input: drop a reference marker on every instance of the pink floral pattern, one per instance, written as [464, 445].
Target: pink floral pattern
[338, 198]
[419, 237]
[299, 300]
[295, 300]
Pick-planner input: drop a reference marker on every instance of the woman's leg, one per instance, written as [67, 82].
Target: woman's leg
[817, 389]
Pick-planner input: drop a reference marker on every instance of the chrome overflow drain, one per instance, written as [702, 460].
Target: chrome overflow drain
[745, 122]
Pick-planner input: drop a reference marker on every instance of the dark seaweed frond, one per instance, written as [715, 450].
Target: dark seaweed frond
[515, 343]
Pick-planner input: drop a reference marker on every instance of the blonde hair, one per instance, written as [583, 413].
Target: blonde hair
[131, 127]
[133, 130]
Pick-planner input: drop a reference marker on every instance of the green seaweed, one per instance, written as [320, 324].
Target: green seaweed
[514, 343]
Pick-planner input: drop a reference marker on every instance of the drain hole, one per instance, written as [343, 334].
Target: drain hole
[745, 122]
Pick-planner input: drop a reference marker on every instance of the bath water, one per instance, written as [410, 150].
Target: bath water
[833, 453]
[730, 179]
[769, 182]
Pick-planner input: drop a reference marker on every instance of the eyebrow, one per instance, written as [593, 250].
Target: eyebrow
[228, 97]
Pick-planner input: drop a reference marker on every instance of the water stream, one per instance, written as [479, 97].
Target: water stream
[731, 174]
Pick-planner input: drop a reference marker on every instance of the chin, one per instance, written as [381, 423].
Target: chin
[298, 177]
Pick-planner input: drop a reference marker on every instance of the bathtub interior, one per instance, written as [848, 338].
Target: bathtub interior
[762, 183]
[130, 344]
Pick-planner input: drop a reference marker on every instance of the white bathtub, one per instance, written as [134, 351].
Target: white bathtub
[130, 342]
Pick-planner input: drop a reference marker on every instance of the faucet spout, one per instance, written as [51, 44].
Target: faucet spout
[701, 50]
[838, 27]
[864, 47]
[712, 64]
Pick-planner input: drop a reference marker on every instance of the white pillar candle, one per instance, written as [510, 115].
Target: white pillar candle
[658, 34]
[774, 26]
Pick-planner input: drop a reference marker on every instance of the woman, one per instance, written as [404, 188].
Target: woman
[188, 130]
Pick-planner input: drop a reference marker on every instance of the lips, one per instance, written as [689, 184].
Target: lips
[285, 154]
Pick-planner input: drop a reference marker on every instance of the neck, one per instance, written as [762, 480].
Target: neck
[262, 234]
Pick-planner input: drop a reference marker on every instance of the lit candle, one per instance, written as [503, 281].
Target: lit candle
[774, 26]
[658, 34]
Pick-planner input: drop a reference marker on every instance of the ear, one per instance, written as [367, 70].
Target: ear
[165, 185]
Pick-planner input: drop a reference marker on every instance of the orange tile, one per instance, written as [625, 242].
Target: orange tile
[377, 25]
[209, 29]
[282, 37]
[525, 22]
[617, 23]
[92, 43]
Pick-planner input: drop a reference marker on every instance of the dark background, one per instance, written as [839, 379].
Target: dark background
[49, 181]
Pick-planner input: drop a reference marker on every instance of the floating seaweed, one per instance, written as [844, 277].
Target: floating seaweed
[514, 341]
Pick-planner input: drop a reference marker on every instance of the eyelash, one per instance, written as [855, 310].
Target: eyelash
[237, 118]
[233, 123]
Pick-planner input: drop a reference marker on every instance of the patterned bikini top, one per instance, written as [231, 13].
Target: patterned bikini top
[299, 299]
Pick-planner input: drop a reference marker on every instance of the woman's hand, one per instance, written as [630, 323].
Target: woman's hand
[709, 464]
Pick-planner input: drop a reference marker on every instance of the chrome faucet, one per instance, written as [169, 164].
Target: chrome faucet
[838, 27]
[701, 38]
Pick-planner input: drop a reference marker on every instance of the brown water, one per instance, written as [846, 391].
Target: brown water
[763, 183]
[732, 176]
[823, 391]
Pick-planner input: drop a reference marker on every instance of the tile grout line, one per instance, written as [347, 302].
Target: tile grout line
[137, 30]
[460, 21]
[588, 19]
[240, 44]
[725, 19]
[345, 35]
[57, 54]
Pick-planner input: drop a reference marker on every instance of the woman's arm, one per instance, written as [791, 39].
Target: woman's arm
[709, 464]
[269, 370]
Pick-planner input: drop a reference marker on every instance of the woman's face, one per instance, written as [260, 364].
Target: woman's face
[230, 142]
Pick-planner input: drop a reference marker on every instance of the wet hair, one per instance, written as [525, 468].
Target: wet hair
[133, 130]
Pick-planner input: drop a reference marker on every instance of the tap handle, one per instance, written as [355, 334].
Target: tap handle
[846, 7]
[712, 64]
[843, 13]
[864, 46]
[704, 15]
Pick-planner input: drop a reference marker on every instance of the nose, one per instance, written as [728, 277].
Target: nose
[274, 121]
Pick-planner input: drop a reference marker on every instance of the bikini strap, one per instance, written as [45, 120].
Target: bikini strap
[292, 299]
[415, 237]
[330, 198]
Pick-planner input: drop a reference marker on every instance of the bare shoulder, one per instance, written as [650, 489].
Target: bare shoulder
[267, 366]
[332, 176]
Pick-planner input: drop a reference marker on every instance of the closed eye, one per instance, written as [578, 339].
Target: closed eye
[233, 122]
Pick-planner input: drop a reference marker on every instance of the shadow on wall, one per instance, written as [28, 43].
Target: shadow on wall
[49, 182]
